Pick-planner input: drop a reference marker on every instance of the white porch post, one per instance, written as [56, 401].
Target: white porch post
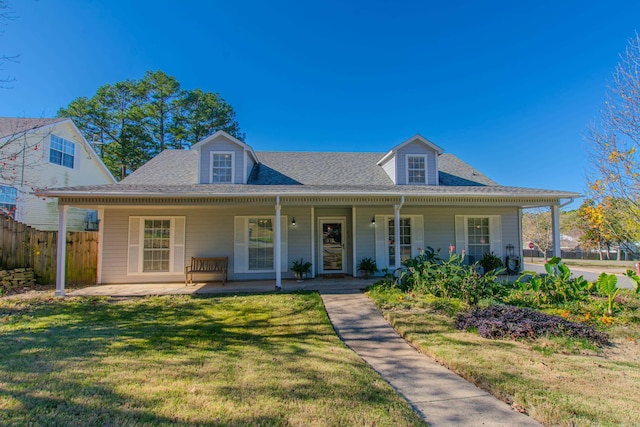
[100, 245]
[61, 262]
[313, 243]
[396, 226]
[555, 229]
[278, 248]
[354, 241]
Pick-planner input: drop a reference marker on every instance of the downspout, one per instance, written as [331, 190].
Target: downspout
[278, 248]
[396, 227]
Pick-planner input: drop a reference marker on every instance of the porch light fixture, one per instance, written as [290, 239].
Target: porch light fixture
[293, 222]
[510, 250]
[373, 221]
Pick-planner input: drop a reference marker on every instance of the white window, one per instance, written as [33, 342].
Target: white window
[411, 238]
[61, 152]
[478, 235]
[8, 200]
[156, 245]
[405, 240]
[255, 239]
[221, 168]
[416, 169]
[261, 244]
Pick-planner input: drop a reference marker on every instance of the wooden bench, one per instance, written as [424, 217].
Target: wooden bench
[218, 265]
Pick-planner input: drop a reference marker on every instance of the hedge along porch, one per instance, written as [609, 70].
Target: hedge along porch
[333, 231]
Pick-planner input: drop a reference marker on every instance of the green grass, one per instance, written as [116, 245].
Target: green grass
[558, 381]
[182, 360]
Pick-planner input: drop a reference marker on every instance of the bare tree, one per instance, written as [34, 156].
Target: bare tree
[615, 140]
[536, 228]
[6, 15]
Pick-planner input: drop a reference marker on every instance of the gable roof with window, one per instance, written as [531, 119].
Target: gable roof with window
[187, 174]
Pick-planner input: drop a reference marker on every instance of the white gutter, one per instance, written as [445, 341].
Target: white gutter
[278, 248]
[396, 224]
[297, 194]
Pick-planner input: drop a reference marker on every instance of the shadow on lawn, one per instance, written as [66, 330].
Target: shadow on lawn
[50, 345]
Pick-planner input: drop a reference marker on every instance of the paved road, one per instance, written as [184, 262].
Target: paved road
[589, 273]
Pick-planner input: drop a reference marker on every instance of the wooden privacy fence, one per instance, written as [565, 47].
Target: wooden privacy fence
[22, 246]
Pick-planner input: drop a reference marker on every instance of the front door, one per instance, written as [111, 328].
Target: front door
[332, 245]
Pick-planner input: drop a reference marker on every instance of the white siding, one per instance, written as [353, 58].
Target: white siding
[390, 168]
[439, 226]
[39, 173]
[416, 148]
[210, 232]
[225, 145]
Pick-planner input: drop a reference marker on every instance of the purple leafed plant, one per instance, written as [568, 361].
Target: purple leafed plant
[506, 321]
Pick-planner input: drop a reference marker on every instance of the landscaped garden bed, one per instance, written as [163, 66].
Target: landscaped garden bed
[561, 349]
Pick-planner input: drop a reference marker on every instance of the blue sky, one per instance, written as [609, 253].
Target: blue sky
[509, 87]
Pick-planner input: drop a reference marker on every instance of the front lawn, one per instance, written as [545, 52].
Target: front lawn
[182, 360]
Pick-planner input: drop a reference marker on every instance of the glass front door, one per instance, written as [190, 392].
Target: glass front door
[332, 246]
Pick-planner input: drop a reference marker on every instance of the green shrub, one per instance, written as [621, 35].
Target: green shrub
[490, 262]
[450, 278]
[555, 287]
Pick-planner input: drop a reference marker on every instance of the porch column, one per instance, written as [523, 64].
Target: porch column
[100, 245]
[354, 241]
[278, 248]
[313, 243]
[555, 229]
[396, 226]
[61, 261]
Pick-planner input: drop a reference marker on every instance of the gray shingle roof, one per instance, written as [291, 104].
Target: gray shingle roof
[281, 168]
[179, 167]
[171, 167]
[174, 173]
[17, 125]
[251, 190]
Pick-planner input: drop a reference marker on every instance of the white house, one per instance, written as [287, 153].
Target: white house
[46, 153]
[264, 210]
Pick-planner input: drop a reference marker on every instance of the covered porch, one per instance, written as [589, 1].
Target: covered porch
[324, 285]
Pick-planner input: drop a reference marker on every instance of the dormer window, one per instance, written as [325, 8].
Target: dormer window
[221, 168]
[416, 169]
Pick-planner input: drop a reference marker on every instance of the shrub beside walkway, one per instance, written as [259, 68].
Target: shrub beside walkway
[441, 397]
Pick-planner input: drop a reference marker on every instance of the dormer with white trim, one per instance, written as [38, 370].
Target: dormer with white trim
[412, 162]
[224, 159]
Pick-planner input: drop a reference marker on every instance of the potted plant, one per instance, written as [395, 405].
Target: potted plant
[368, 267]
[301, 269]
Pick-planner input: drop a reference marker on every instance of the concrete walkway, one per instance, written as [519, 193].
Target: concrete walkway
[441, 397]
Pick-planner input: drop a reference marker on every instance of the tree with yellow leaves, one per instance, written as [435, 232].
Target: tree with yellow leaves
[614, 178]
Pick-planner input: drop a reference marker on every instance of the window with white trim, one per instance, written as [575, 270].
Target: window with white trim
[405, 240]
[478, 235]
[255, 244]
[416, 169]
[260, 244]
[61, 151]
[8, 200]
[156, 244]
[221, 168]
[411, 238]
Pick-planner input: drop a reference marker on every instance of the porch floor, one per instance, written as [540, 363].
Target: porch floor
[324, 285]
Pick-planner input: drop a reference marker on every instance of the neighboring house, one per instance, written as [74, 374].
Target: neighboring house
[46, 153]
[266, 209]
